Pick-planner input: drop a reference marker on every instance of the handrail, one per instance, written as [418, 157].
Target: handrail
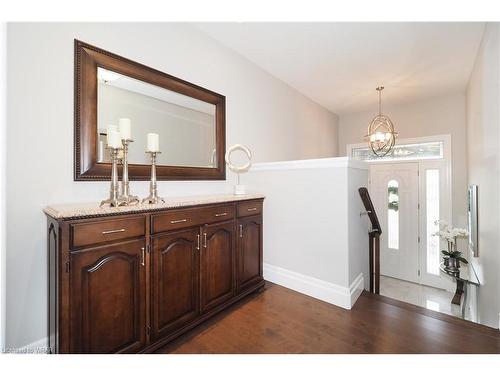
[373, 240]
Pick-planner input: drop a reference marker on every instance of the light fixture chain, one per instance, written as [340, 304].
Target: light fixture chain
[379, 102]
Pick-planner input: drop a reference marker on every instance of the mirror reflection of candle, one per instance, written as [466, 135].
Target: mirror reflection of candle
[153, 142]
[125, 128]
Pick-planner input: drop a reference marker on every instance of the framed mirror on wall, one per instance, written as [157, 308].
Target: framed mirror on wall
[472, 220]
[189, 119]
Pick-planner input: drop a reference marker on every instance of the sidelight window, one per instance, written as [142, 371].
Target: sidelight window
[432, 214]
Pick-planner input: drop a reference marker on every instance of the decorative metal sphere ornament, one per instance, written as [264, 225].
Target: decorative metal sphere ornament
[381, 136]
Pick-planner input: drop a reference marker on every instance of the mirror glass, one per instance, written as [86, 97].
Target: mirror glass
[186, 126]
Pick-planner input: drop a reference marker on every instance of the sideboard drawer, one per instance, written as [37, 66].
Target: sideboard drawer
[249, 208]
[95, 232]
[189, 217]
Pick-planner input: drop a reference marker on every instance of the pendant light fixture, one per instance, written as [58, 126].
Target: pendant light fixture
[381, 136]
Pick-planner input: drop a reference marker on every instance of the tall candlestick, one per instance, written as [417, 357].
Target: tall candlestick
[125, 189]
[153, 142]
[153, 192]
[114, 200]
[125, 126]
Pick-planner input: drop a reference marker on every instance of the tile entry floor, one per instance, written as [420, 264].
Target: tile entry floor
[420, 295]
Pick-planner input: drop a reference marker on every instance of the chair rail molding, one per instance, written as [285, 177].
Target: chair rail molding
[337, 162]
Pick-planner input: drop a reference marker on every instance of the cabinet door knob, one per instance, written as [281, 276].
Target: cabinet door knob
[241, 230]
[143, 256]
[205, 240]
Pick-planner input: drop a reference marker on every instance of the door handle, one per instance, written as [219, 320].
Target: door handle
[197, 242]
[205, 240]
[143, 256]
[241, 230]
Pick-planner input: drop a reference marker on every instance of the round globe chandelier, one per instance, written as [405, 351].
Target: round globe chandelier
[381, 135]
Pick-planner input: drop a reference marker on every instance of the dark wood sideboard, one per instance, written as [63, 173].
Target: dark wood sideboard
[131, 282]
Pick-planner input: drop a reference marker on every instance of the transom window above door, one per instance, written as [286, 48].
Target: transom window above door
[410, 151]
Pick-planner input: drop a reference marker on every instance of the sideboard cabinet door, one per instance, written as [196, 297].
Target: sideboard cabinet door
[175, 286]
[249, 256]
[217, 264]
[108, 298]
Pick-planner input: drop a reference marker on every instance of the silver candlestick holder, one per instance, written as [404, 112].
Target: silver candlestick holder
[153, 192]
[114, 199]
[125, 188]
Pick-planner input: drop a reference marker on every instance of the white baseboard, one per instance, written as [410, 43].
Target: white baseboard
[323, 290]
[356, 288]
[36, 347]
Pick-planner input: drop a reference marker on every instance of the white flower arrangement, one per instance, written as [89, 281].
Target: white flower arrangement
[450, 235]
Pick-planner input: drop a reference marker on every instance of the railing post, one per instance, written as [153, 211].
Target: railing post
[377, 263]
[370, 260]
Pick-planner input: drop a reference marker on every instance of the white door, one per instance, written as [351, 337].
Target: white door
[394, 191]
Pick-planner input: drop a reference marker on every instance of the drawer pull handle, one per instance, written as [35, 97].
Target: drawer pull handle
[222, 214]
[178, 221]
[113, 231]
[252, 209]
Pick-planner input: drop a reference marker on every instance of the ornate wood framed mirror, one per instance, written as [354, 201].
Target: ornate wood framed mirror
[189, 119]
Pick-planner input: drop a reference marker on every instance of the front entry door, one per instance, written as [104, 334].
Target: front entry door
[394, 191]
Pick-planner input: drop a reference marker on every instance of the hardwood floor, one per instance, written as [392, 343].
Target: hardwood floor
[280, 320]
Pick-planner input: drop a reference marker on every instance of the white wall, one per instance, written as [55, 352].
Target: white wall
[434, 116]
[357, 226]
[483, 161]
[275, 121]
[3, 153]
[314, 238]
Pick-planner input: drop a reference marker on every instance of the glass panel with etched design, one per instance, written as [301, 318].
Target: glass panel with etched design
[393, 214]
[416, 151]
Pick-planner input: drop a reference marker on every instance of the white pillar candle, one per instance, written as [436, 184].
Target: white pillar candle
[114, 139]
[153, 142]
[125, 128]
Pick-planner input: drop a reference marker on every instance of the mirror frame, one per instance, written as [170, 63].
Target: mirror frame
[86, 168]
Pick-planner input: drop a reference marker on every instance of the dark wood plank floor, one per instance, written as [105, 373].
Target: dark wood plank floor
[280, 320]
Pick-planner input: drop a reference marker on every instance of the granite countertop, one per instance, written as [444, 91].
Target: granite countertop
[79, 210]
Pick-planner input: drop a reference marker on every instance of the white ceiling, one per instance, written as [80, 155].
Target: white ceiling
[338, 65]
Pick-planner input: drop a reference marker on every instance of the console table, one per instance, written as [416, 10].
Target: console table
[464, 276]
